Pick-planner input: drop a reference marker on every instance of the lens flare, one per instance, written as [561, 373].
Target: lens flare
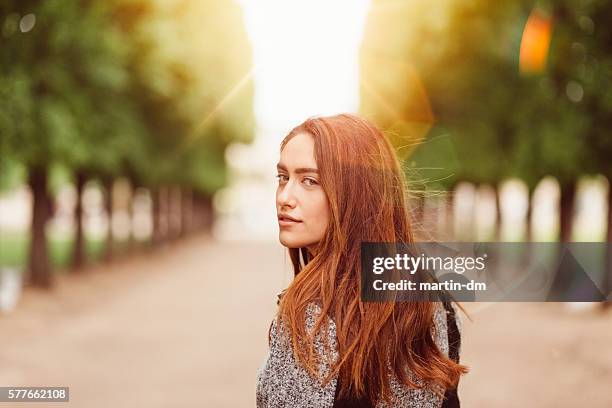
[535, 42]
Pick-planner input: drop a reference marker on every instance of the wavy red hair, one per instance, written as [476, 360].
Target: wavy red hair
[364, 184]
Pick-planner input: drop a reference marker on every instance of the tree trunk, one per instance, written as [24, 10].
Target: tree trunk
[39, 267]
[169, 213]
[175, 213]
[197, 212]
[132, 241]
[156, 236]
[529, 217]
[497, 229]
[207, 213]
[160, 215]
[528, 248]
[566, 210]
[472, 227]
[450, 215]
[108, 207]
[186, 211]
[607, 287]
[78, 253]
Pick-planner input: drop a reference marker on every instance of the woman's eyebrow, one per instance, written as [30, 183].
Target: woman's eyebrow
[299, 170]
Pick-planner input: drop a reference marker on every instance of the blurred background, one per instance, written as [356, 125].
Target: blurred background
[138, 141]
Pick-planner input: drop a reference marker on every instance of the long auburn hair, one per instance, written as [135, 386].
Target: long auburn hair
[364, 184]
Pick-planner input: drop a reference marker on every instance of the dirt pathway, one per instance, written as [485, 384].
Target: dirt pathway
[182, 327]
[186, 327]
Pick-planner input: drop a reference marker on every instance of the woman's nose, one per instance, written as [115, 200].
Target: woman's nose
[285, 195]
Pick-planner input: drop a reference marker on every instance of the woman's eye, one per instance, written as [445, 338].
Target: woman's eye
[310, 182]
[281, 178]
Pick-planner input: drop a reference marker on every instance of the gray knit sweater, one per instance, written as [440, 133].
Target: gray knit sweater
[282, 382]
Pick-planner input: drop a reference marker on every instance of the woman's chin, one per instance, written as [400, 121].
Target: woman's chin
[290, 242]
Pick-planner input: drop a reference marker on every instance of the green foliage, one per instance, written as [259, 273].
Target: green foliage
[12, 174]
[143, 89]
[185, 62]
[497, 121]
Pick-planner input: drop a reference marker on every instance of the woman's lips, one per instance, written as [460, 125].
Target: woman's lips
[285, 221]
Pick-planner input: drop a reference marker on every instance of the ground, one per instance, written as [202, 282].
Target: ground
[186, 326]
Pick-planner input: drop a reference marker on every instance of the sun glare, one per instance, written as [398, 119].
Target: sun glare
[306, 63]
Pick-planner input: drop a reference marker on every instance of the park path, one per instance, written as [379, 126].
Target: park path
[186, 326]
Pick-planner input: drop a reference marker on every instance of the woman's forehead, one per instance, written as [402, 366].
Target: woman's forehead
[298, 152]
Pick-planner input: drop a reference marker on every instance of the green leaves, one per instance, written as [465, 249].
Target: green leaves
[499, 123]
[145, 89]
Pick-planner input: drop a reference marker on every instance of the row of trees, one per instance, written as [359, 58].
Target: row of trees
[147, 90]
[465, 111]
[472, 107]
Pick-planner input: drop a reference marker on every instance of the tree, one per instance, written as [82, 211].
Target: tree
[142, 89]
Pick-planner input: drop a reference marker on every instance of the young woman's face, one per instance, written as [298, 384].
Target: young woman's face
[301, 203]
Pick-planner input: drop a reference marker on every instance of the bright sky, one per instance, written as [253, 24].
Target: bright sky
[306, 57]
[306, 63]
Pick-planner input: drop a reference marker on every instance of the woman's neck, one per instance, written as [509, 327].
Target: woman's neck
[312, 251]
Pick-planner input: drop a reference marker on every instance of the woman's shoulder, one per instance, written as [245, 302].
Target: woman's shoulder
[314, 312]
[326, 333]
[282, 381]
[327, 329]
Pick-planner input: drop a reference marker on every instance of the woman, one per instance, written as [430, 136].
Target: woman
[340, 184]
